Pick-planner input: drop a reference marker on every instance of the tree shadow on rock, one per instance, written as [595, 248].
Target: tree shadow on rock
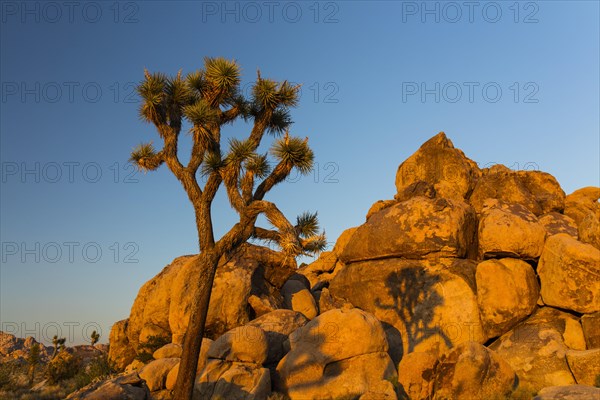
[414, 297]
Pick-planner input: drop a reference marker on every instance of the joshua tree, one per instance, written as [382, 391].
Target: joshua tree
[33, 359]
[94, 338]
[207, 100]
[58, 344]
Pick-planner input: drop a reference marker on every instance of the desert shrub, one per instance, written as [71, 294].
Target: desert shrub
[63, 366]
[597, 381]
[98, 369]
[147, 348]
[5, 373]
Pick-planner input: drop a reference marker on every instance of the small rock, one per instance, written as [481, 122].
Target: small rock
[472, 371]
[170, 350]
[297, 297]
[232, 380]
[569, 273]
[591, 329]
[155, 373]
[507, 292]
[244, 344]
[556, 223]
[202, 360]
[509, 230]
[585, 365]
[571, 392]
[416, 375]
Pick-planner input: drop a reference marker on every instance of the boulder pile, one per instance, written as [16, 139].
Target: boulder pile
[470, 284]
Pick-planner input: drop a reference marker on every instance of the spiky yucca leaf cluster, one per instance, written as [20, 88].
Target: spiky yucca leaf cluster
[222, 74]
[280, 121]
[177, 92]
[294, 151]
[201, 114]
[307, 228]
[258, 165]
[239, 151]
[307, 224]
[314, 244]
[289, 245]
[144, 157]
[151, 90]
[213, 161]
[268, 94]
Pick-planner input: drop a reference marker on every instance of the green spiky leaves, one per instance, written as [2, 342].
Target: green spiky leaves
[223, 74]
[239, 151]
[315, 244]
[294, 151]
[307, 224]
[213, 161]
[280, 121]
[145, 158]
[197, 83]
[258, 165]
[152, 92]
[307, 228]
[269, 94]
[177, 91]
[288, 95]
[201, 113]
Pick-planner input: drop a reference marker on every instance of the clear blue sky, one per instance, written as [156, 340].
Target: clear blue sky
[68, 117]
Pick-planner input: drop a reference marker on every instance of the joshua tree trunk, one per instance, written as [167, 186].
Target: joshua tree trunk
[184, 388]
[31, 374]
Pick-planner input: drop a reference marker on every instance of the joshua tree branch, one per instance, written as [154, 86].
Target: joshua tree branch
[279, 173]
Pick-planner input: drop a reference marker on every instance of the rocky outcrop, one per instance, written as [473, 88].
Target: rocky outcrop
[124, 387]
[417, 228]
[277, 326]
[569, 273]
[297, 297]
[163, 304]
[242, 344]
[470, 283]
[432, 303]
[155, 373]
[582, 202]
[509, 230]
[537, 191]
[14, 348]
[472, 371]
[202, 361]
[585, 365]
[339, 353]
[251, 270]
[235, 366]
[591, 329]
[507, 292]
[589, 229]
[536, 348]
[416, 375]
[232, 380]
[171, 350]
[572, 392]
[322, 270]
[440, 164]
[556, 223]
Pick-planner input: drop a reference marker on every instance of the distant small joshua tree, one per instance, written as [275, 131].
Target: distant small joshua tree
[59, 344]
[94, 338]
[33, 359]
